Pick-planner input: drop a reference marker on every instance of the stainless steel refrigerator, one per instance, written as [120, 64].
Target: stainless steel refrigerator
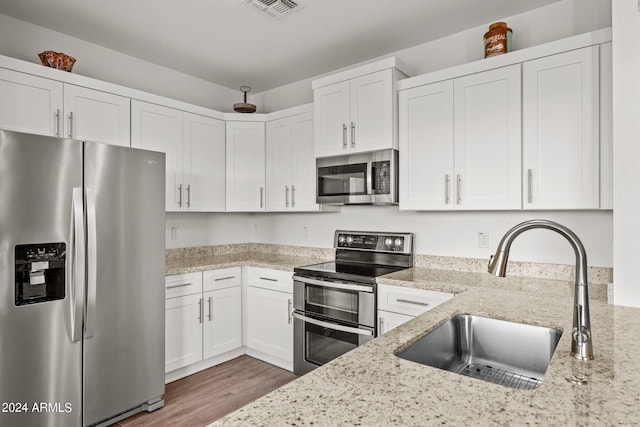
[81, 281]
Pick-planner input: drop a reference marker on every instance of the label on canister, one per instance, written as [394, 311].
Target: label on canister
[497, 41]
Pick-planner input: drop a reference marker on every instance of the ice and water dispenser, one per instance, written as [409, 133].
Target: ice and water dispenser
[40, 272]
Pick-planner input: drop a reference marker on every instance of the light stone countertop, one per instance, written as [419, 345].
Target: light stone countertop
[254, 259]
[370, 386]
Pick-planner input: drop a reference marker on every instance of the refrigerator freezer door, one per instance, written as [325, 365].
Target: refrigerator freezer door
[40, 365]
[124, 329]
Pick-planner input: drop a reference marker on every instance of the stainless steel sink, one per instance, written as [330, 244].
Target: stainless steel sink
[507, 353]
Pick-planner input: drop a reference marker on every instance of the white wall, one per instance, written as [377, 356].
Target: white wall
[556, 21]
[19, 39]
[447, 233]
[626, 151]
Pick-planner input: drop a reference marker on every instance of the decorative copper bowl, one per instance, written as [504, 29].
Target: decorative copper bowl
[58, 60]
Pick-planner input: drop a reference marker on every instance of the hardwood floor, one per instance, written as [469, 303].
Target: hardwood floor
[206, 396]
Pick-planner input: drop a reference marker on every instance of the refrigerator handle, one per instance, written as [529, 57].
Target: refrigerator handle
[78, 260]
[92, 262]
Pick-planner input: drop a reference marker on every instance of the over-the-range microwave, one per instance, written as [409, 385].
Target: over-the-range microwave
[363, 178]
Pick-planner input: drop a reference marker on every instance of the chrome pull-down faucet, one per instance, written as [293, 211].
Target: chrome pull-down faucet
[581, 340]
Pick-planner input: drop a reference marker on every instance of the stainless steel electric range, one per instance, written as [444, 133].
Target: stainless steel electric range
[335, 302]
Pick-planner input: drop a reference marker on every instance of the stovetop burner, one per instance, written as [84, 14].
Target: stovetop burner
[359, 271]
[364, 256]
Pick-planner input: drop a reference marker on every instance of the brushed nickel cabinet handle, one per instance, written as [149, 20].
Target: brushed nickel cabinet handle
[71, 124]
[289, 314]
[529, 188]
[180, 195]
[447, 196]
[210, 308]
[458, 186]
[188, 195]
[58, 122]
[261, 197]
[353, 135]
[344, 136]
[293, 196]
[181, 285]
[286, 196]
[408, 301]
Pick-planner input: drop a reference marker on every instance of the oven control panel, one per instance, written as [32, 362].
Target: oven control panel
[379, 242]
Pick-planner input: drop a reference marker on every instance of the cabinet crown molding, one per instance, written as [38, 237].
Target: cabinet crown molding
[517, 56]
[361, 70]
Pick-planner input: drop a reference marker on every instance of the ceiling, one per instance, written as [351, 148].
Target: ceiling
[230, 43]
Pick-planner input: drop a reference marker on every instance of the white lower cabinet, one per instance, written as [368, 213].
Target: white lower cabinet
[397, 305]
[222, 330]
[388, 320]
[183, 320]
[203, 320]
[269, 319]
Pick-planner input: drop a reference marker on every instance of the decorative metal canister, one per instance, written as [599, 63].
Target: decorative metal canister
[497, 40]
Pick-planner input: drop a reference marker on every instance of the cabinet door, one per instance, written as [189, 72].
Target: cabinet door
[331, 119]
[388, 320]
[280, 161]
[487, 140]
[561, 134]
[158, 128]
[30, 104]
[426, 146]
[222, 329]
[269, 323]
[204, 164]
[92, 115]
[303, 191]
[245, 166]
[183, 331]
[371, 105]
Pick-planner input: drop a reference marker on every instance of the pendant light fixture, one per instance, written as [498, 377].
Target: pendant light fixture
[244, 107]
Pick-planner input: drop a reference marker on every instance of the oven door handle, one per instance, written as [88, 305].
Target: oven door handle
[335, 285]
[332, 325]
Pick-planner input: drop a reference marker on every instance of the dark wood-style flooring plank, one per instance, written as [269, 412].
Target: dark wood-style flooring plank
[206, 396]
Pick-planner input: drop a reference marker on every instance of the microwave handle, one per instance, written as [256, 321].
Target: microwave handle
[370, 180]
[333, 326]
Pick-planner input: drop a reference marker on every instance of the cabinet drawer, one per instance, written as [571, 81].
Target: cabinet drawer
[183, 284]
[266, 278]
[221, 279]
[408, 300]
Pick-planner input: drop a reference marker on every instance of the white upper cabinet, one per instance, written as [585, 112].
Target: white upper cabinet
[91, 115]
[47, 107]
[195, 150]
[561, 161]
[158, 128]
[204, 163]
[426, 146]
[30, 104]
[331, 117]
[372, 112]
[290, 164]
[487, 140]
[355, 111]
[460, 143]
[245, 156]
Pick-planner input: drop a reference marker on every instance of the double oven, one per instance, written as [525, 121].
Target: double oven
[335, 302]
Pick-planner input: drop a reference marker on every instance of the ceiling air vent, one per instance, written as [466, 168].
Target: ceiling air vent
[275, 9]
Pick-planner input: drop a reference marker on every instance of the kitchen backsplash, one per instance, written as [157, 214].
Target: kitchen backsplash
[597, 275]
